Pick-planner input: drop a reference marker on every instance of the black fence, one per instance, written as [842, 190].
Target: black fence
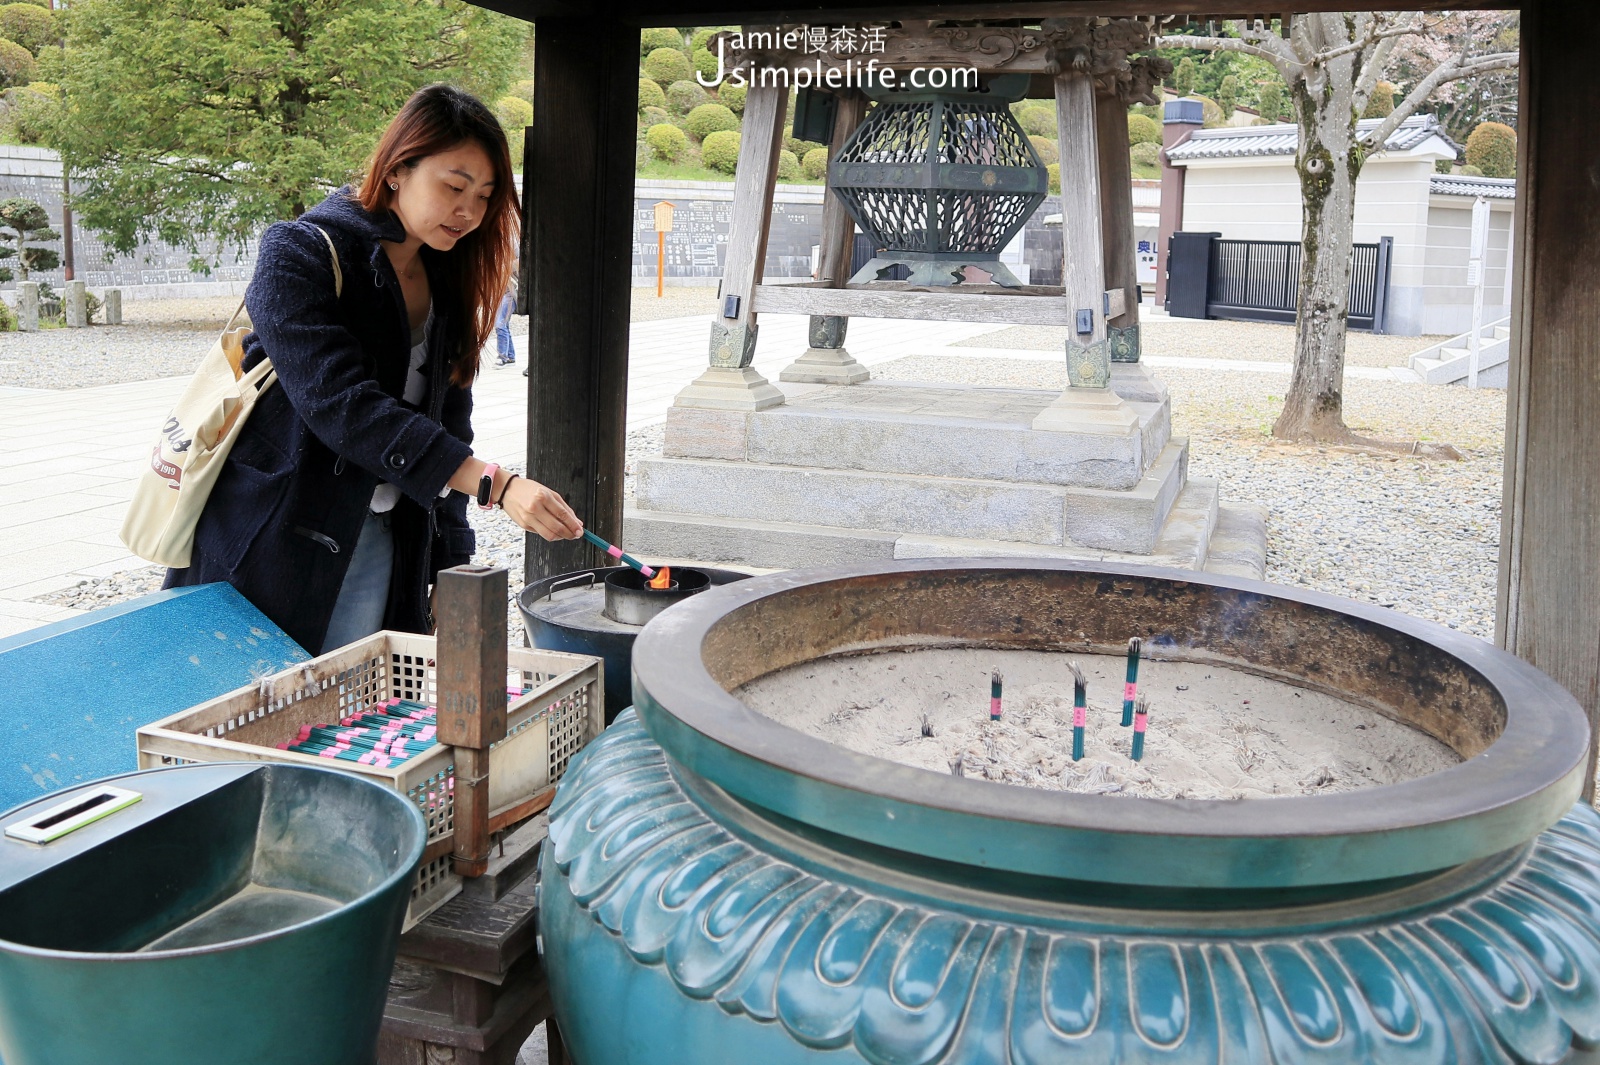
[1259, 280]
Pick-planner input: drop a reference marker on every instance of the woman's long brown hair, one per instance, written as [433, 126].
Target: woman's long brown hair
[477, 270]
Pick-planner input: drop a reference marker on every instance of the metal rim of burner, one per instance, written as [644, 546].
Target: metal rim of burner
[631, 601]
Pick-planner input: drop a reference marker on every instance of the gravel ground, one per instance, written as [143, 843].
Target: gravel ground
[1422, 536]
[1201, 338]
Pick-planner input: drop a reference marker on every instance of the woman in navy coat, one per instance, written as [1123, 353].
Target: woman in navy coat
[346, 491]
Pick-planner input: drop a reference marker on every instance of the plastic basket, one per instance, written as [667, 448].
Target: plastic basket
[544, 729]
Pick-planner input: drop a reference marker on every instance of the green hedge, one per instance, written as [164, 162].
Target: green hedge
[815, 164]
[1142, 130]
[659, 37]
[29, 25]
[1046, 147]
[684, 96]
[1492, 148]
[667, 65]
[1145, 154]
[708, 119]
[788, 166]
[721, 151]
[1038, 121]
[654, 116]
[667, 141]
[705, 65]
[1054, 169]
[16, 64]
[651, 94]
[733, 95]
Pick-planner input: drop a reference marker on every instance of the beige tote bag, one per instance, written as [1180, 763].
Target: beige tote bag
[194, 441]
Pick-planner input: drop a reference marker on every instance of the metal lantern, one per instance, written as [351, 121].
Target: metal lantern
[941, 180]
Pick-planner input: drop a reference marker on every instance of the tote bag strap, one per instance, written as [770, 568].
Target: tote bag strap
[338, 278]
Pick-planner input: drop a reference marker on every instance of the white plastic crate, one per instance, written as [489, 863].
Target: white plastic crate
[544, 728]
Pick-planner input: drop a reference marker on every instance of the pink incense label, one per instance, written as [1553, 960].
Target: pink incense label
[994, 707]
[1128, 690]
[1138, 722]
[647, 571]
[614, 551]
[1080, 716]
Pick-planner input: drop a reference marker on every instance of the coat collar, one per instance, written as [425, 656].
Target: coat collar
[343, 211]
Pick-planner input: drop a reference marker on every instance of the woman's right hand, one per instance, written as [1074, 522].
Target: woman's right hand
[540, 510]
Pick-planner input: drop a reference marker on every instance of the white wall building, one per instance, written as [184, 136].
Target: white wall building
[1241, 182]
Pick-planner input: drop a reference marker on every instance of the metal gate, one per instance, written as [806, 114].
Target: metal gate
[1259, 280]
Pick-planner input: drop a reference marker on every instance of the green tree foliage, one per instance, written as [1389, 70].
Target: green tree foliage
[1492, 148]
[1228, 95]
[523, 89]
[788, 166]
[654, 116]
[667, 141]
[1038, 121]
[1143, 130]
[705, 65]
[1046, 147]
[667, 65]
[32, 111]
[515, 115]
[702, 36]
[708, 119]
[815, 164]
[733, 95]
[684, 96]
[1145, 154]
[8, 317]
[192, 119]
[651, 94]
[721, 151]
[1054, 170]
[1381, 103]
[659, 37]
[1471, 171]
[29, 25]
[1183, 76]
[23, 222]
[1270, 102]
[16, 64]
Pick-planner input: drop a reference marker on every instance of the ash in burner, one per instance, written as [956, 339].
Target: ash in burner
[1213, 733]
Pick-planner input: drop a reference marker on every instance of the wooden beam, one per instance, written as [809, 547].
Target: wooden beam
[838, 228]
[1548, 606]
[1082, 271]
[472, 703]
[578, 193]
[757, 174]
[1042, 307]
[1116, 205]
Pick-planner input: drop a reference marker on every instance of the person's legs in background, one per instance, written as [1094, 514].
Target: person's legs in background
[502, 331]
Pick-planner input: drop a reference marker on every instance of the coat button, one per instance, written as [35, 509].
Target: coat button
[396, 461]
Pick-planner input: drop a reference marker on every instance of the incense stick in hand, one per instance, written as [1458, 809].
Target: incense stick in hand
[618, 553]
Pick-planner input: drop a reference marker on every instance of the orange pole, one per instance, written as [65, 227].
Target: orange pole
[661, 261]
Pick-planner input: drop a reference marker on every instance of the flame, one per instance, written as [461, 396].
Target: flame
[662, 580]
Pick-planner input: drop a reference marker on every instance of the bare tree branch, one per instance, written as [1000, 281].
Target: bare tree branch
[1216, 44]
[1453, 70]
[1372, 37]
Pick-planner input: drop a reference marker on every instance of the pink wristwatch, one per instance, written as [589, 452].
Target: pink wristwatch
[486, 486]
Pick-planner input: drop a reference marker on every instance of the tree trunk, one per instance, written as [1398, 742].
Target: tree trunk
[1328, 162]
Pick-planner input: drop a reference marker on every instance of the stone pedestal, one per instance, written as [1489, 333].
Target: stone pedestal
[28, 306]
[826, 362]
[77, 305]
[1099, 411]
[730, 388]
[113, 306]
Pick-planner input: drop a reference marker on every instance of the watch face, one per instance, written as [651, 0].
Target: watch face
[485, 486]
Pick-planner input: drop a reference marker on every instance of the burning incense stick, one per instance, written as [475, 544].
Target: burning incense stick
[618, 553]
[1141, 718]
[1080, 710]
[1131, 689]
[994, 696]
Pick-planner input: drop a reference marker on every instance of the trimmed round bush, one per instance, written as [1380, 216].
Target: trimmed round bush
[16, 63]
[701, 38]
[666, 141]
[29, 25]
[1145, 154]
[721, 151]
[705, 65]
[1492, 148]
[515, 113]
[798, 146]
[684, 96]
[1054, 169]
[1381, 103]
[1142, 130]
[654, 116]
[659, 37]
[732, 94]
[1471, 171]
[651, 95]
[33, 107]
[708, 119]
[667, 65]
[1038, 122]
[815, 164]
[1046, 149]
[788, 166]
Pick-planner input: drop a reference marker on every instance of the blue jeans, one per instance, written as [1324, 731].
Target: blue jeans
[502, 329]
[364, 595]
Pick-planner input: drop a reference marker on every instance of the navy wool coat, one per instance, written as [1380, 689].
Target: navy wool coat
[288, 505]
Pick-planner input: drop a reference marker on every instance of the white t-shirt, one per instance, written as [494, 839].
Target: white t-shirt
[386, 495]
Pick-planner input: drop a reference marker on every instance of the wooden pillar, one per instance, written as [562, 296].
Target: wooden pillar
[1088, 403]
[578, 207]
[731, 383]
[1548, 608]
[1179, 118]
[826, 361]
[1116, 223]
[472, 703]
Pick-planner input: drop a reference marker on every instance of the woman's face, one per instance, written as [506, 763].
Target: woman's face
[444, 197]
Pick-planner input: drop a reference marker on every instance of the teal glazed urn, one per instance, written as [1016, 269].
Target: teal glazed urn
[722, 888]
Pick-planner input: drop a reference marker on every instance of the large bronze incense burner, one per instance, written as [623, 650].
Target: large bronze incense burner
[732, 879]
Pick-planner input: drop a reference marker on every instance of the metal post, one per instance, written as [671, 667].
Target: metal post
[1475, 272]
[471, 655]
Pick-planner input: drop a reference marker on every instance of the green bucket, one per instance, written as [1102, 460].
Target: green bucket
[239, 913]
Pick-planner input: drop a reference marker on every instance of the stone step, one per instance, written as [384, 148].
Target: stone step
[1183, 543]
[1451, 365]
[964, 508]
[1239, 542]
[928, 430]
